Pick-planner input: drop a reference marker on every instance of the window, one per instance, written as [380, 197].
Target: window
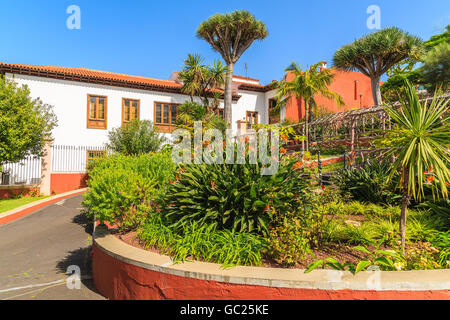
[165, 116]
[97, 110]
[94, 154]
[273, 118]
[251, 119]
[130, 110]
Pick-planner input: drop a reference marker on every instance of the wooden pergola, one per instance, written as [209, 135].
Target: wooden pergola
[353, 128]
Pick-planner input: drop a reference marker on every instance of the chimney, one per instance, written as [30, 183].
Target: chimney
[323, 65]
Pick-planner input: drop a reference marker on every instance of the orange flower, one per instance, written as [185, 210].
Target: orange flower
[267, 208]
[447, 184]
[430, 179]
[213, 184]
[207, 142]
[246, 139]
[298, 165]
[283, 137]
[282, 150]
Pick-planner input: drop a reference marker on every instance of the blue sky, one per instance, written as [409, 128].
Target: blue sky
[152, 38]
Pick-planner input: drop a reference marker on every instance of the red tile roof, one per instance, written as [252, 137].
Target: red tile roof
[111, 78]
[87, 73]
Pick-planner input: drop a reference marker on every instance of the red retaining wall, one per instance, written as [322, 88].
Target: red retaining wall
[65, 182]
[116, 279]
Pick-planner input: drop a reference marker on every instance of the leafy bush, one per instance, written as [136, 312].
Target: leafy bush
[287, 241]
[235, 197]
[136, 137]
[122, 189]
[368, 183]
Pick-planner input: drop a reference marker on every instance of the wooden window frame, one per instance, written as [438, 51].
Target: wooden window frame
[138, 112]
[164, 127]
[217, 112]
[246, 118]
[269, 110]
[102, 153]
[101, 124]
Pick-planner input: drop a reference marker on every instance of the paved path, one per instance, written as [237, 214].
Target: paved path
[36, 250]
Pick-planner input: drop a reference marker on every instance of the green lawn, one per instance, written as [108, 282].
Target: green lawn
[9, 204]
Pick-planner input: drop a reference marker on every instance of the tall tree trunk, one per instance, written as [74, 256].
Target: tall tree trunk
[229, 96]
[405, 203]
[376, 91]
[307, 125]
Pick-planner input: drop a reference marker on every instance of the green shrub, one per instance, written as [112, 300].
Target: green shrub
[368, 183]
[136, 137]
[235, 197]
[122, 189]
[287, 242]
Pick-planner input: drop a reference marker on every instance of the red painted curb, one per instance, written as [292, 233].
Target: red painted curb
[30, 210]
[118, 280]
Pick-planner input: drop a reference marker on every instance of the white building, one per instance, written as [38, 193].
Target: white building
[88, 103]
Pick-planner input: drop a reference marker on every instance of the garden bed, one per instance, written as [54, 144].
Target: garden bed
[122, 271]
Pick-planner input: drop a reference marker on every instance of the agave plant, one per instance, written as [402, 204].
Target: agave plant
[419, 142]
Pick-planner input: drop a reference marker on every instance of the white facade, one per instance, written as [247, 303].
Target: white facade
[69, 99]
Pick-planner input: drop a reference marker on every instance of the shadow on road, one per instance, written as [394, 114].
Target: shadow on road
[81, 258]
[83, 221]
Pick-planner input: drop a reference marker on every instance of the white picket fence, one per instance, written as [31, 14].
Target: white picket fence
[24, 172]
[72, 158]
[67, 159]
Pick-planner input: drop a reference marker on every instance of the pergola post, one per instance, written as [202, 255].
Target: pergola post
[352, 135]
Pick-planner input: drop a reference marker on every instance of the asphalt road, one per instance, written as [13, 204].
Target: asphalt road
[36, 251]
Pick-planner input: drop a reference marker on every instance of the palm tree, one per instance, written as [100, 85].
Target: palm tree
[230, 35]
[202, 81]
[376, 53]
[418, 140]
[306, 84]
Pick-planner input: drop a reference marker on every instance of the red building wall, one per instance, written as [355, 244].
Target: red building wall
[65, 182]
[353, 87]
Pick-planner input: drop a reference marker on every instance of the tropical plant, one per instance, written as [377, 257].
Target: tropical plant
[376, 53]
[307, 84]
[203, 81]
[235, 196]
[25, 124]
[418, 140]
[136, 137]
[230, 35]
[368, 182]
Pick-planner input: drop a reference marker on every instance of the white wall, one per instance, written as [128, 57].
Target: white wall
[69, 99]
[249, 101]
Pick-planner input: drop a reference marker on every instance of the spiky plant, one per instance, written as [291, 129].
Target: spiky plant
[419, 142]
